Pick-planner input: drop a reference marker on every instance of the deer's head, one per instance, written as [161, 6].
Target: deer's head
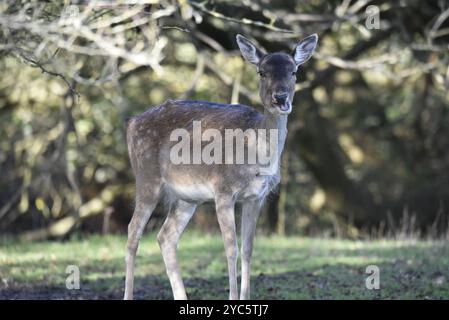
[277, 71]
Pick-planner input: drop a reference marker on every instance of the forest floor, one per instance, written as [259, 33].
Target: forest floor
[282, 268]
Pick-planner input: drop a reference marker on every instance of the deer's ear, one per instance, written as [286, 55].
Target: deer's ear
[249, 51]
[304, 49]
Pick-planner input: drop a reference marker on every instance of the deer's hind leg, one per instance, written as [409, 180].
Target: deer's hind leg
[178, 217]
[147, 197]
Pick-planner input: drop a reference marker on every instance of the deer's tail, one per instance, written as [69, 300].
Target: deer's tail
[130, 130]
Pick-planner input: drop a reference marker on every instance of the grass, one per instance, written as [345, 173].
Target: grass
[282, 268]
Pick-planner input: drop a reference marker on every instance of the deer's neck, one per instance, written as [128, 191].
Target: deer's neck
[279, 122]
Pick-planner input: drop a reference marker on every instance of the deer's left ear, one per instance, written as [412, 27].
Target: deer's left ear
[304, 49]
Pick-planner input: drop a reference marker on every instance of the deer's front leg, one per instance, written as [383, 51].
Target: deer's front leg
[250, 213]
[226, 220]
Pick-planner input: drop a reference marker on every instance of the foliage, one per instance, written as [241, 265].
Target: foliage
[367, 150]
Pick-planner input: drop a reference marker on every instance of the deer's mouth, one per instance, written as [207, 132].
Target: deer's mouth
[284, 108]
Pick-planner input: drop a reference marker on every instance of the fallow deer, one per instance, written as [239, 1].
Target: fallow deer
[185, 186]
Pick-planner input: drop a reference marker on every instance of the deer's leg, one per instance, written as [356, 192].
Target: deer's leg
[147, 197]
[250, 213]
[168, 237]
[226, 220]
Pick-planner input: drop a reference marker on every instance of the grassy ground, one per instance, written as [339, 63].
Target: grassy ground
[283, 268]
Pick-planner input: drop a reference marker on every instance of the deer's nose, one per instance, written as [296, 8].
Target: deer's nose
[280, 98]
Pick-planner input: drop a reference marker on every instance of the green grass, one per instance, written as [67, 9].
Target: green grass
[282, 268]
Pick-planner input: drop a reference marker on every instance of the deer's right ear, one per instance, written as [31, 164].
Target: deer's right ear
[249, 51]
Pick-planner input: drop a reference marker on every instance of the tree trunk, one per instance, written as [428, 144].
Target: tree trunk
[319, 149]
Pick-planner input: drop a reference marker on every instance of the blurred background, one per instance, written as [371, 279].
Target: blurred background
[367, 153]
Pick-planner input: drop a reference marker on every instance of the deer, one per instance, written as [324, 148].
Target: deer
[184, 187]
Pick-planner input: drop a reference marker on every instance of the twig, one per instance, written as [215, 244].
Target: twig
[196, 77]
[4, 210]
[36, 64]
[228, 80]
[175, 28]
[439, 21]
[219, 15]
[357, 65]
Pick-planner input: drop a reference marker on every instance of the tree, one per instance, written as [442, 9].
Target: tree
[367, 146]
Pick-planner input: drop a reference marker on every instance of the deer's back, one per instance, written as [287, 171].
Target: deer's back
[180, 114]
[150, 130]
[149, 147]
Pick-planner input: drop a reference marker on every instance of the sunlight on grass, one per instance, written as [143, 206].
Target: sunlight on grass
[282, 267]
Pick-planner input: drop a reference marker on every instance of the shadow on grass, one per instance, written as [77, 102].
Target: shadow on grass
[406, 272]
[288, 285]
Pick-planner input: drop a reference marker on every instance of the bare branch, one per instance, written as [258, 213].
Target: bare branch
[37, 64]
[202, 7]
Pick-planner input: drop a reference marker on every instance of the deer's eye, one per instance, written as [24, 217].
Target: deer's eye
[262, 74]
